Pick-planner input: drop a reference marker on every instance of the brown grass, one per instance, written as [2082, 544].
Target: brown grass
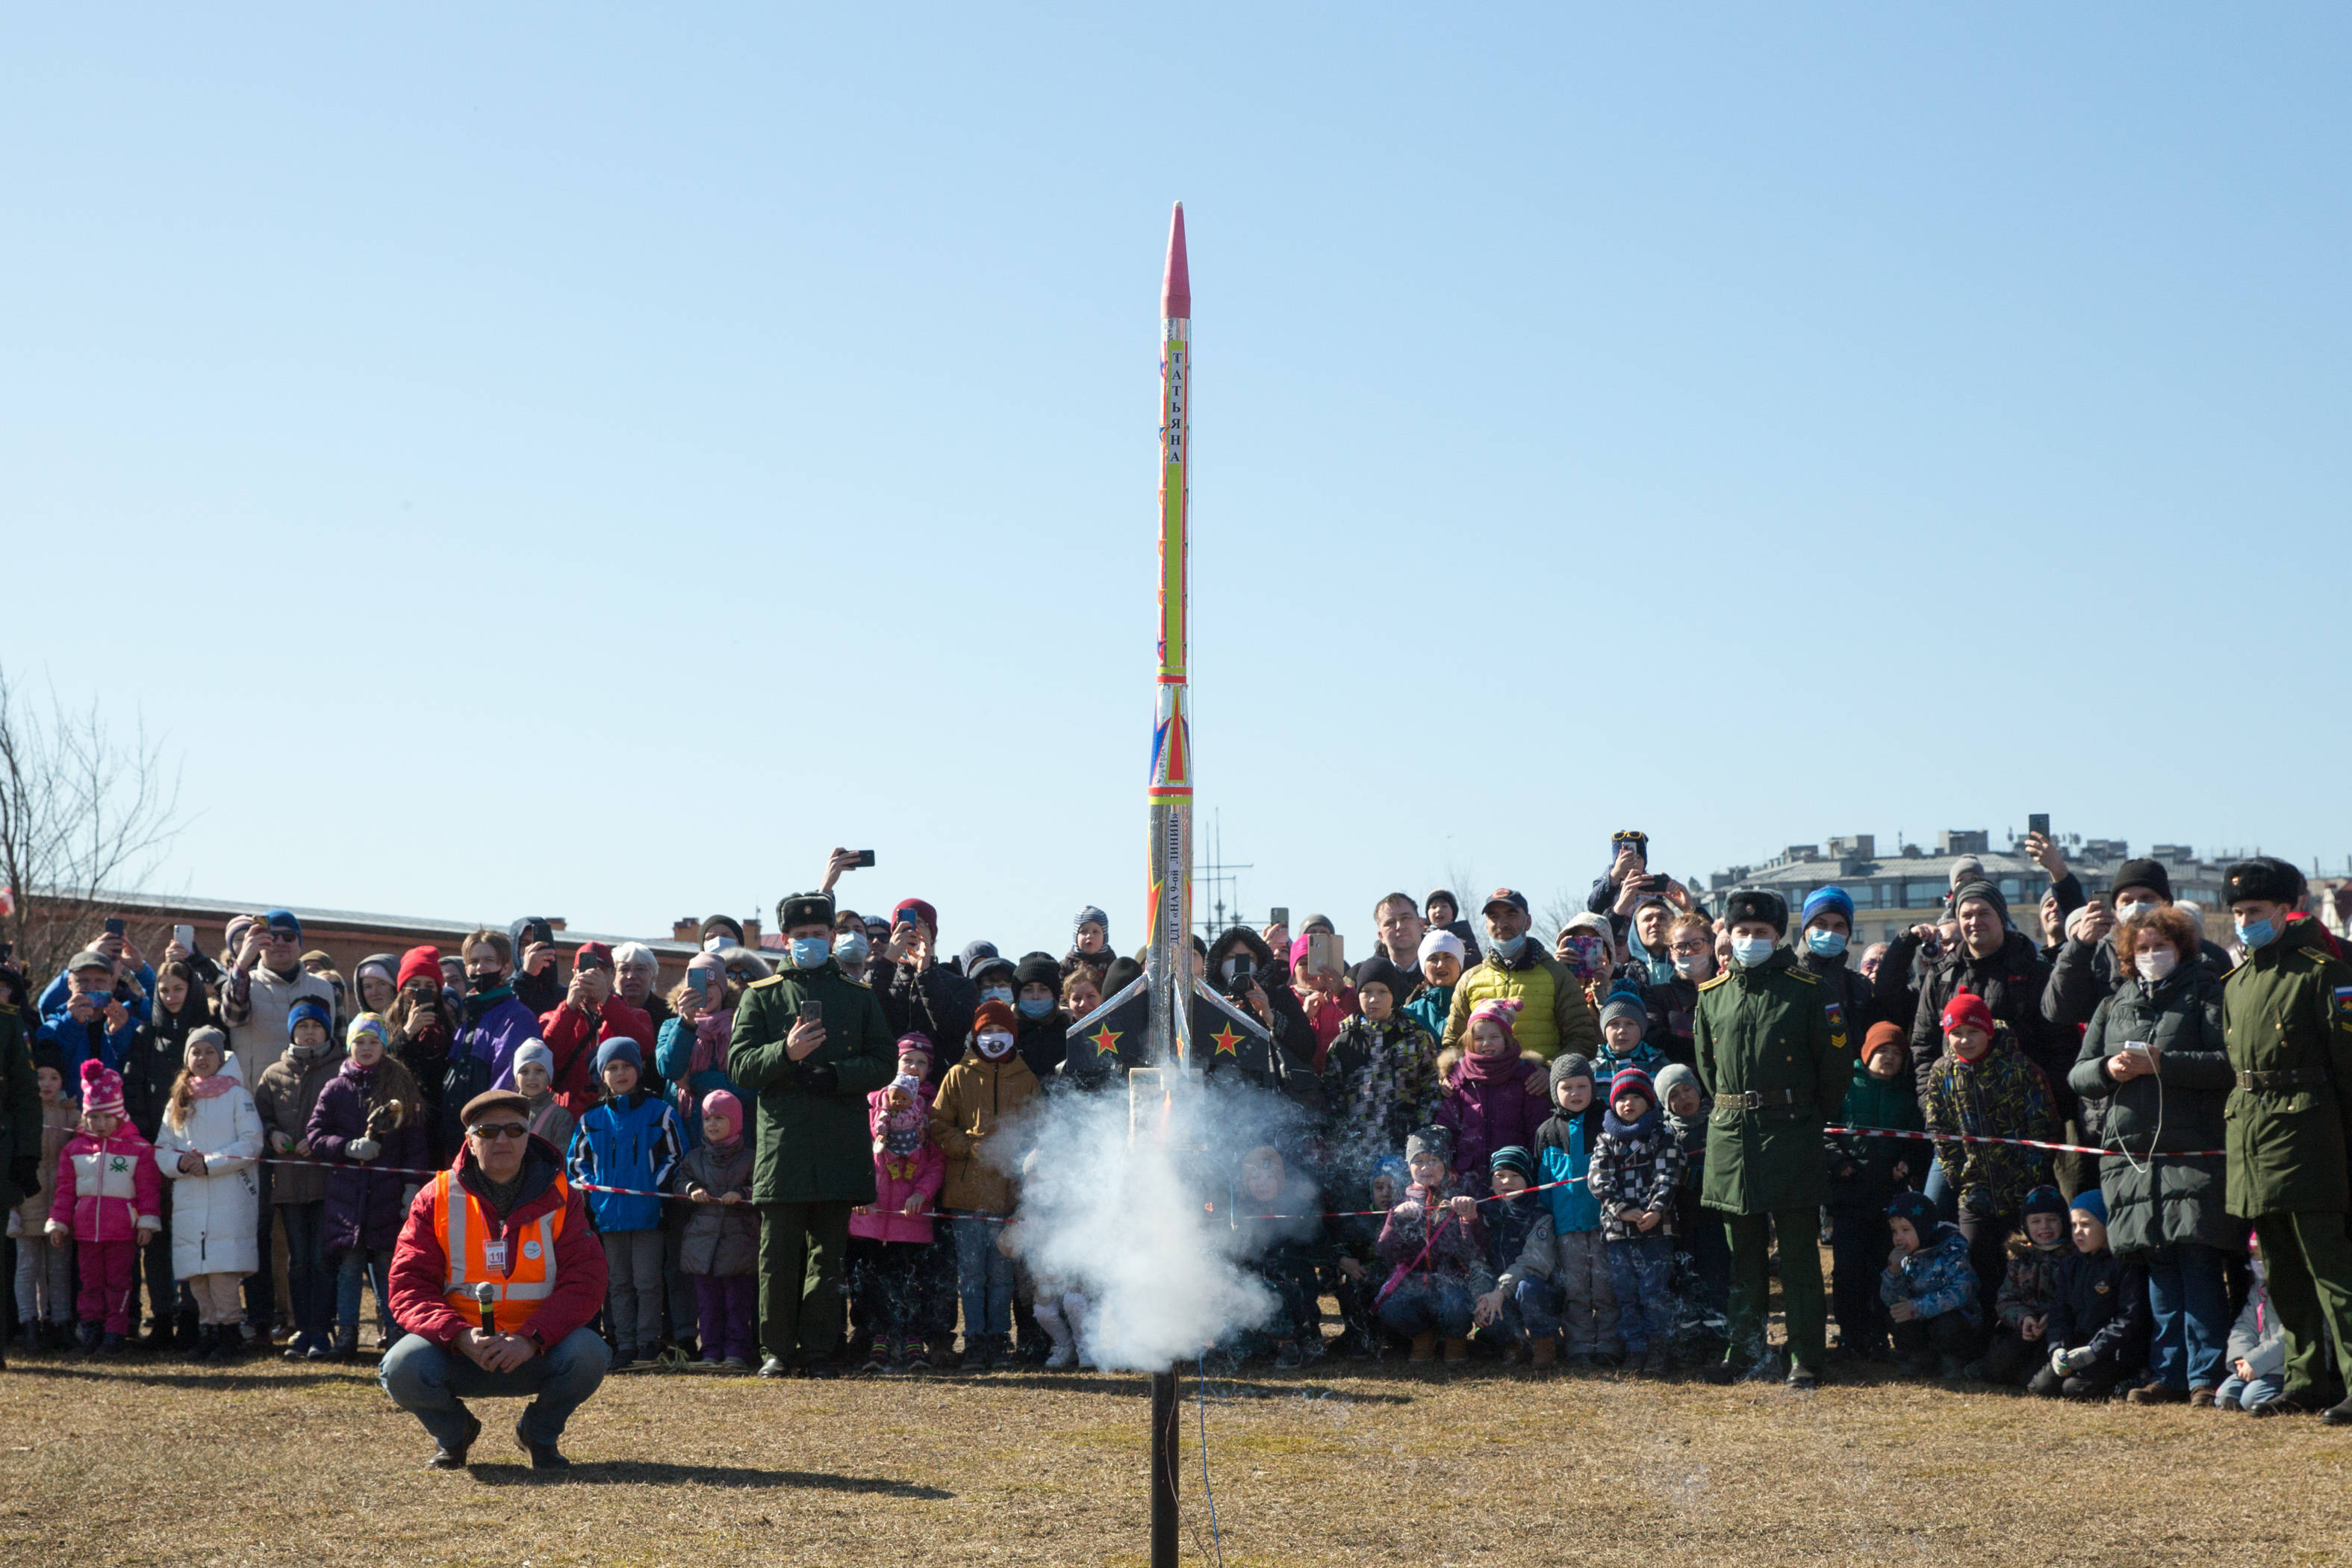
[133, 1463]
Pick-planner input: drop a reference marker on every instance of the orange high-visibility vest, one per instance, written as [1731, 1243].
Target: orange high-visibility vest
[517, 1282]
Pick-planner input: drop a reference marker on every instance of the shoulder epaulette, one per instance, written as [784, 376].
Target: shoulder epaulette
[1710, 984]
[861, 984]
[1807, 976]
[771, 980]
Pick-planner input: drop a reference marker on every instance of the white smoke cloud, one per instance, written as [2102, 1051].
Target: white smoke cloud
[1121, 1212]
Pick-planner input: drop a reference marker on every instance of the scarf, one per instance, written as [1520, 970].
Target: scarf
[211, 1086]
[1502, 1065]
[481, 1002]
[501, 1196]
[713, 1032]
[1642, 1126]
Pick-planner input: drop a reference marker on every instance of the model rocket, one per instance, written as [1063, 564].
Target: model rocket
[1153, 1019]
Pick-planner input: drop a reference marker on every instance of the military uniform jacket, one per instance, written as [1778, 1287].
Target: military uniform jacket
[809, 1137]
[1774, 1050]
[2288, 1009]
[20, 1104]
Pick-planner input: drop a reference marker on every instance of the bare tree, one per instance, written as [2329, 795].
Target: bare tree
[83, 813]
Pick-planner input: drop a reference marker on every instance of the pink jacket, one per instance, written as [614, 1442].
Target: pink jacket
[107, 1187]
[898, 1177]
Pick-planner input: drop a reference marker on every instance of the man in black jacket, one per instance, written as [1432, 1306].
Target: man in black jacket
[2003, 966]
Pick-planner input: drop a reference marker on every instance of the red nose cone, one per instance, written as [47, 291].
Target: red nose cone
[1176, 284]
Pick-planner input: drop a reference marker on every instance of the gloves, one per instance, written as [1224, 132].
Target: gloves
[2063, 1363]
[363, 1147]
[25, 1174]
[1407, 1211]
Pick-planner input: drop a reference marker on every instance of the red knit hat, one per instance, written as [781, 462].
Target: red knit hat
[420, 964]
[1966, 1010]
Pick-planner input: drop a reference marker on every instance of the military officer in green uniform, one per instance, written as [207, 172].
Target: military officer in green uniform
[810, 1044]
[20, 1115]
[2286, 1023]
[1772, 1049]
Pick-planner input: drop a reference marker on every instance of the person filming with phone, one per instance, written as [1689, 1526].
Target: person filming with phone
[810, 1044]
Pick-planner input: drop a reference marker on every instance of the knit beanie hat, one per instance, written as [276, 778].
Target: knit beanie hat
[1434, 1142]
[1966, 1010]
[2148, 873]
[993, 1015]
[1566, 1066]
[1830, 898]
[368, 1025]
[710, 967]
[1499, 1011]
[531, 1051]
[1673, 1076]
[1444, 941]
[420, 964]
[1918, 1209]
[619, 1048]
[102, 1088]
[1091, 916]
[202, 1035]
[1980, 888]
[1511, 1157]
[1624, 1004]
[2045, 1199]
[2093, 1202]
[312, 1009]
[1883, 1034]
[283, 920]
[1632, 1081]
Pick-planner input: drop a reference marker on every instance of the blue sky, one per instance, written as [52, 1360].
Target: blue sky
[595, 461]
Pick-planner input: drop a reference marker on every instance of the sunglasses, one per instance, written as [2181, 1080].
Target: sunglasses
[491, 1132]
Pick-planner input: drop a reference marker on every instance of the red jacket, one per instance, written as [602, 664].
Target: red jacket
[571, 1037]
[420, 1268]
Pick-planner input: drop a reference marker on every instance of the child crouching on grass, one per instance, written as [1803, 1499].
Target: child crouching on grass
[107, 1206]
[1930, 1288]
[1433, 1246]
[1522, 1310]
[2099, 1328]
[2029, 1290]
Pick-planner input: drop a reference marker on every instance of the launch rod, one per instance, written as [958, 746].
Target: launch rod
[1163, 1469]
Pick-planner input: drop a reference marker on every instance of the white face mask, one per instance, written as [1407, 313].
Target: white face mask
[995, 1045]
[2156, 963]
[2126, 911]
[1695, 965]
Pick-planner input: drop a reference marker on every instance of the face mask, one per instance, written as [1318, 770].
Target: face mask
[1828, 943]
[2126, 911]
[2156, 963]
[2258, 934]
[995, 1045]
[1751, 951]
[1508, 946]
[996, 993]
[1695, 965]
[851, 947]
[810, 951]
[1036, 1007]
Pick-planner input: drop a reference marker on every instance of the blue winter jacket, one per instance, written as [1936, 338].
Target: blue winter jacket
[673, 1058]
[631, 1141]
[1564, 1149]
[1937, 1279]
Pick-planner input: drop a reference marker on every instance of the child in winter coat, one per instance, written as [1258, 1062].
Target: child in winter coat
[1435, 1249]
[1355, 1238]
[287, 1094]
[1284, 1251]
[888, 1238]
[1702, 1281]
[976, 1098]
[1865, 1175]
[628, 1139]
[1493, 1096]
[45, 1274]
[369, 1126]
[2029, 1292]
[691, 1053]
[108, 1194]
[1383, 1073]
[1624, 1036]
[1441, 968]
[2099, 1331]
[1588, 1297]
[534, 1075]
[1636, 1175]
[207, 1144]
[2257, 1348]
[1929, 1288]
[722, 1234]
[1523, 1308]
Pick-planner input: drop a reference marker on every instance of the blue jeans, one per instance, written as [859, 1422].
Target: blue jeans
[1642, 1273]
[1425, 1303]
[2236, 1393]
[431, 1383]
[984, 1275]
[1531, 1312]
[350, 1265]
[2190, 1303]
[309, 1288]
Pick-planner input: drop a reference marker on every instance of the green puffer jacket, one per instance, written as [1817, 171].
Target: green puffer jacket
[2288, 1008]
[1776, 1032]
[2163, 1201]
[809, 1132]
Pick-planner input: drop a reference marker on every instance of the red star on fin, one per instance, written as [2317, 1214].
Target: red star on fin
[1228, 1043]
[1106, 1040]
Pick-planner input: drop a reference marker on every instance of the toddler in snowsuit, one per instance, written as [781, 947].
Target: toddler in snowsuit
[1491, 1094]
[108, 1205]
[1582, 1293]
[1930, 1288]
[1637, 1168]
[1282, 1243]
[722, 1241]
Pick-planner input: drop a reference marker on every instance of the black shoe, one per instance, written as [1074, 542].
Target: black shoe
[878, 1358]
[773, 1366]
[1723, 1373]
[445, 1458]
[543, 1455]
[2339, 1414]
[109, 1346]
[621, 1361]
[1289, 1356]
[1804, 1376]
[975, 1354]
[819, 1367]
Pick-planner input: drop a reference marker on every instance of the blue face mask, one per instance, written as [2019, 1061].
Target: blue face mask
[1751, 951]
[810, 951]
[1036, 1007]
[1828, 943]
[851, 947]
[1508, 946]
[2259, 934]
[996, 993]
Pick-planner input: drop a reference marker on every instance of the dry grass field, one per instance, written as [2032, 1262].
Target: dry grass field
[131, 1463]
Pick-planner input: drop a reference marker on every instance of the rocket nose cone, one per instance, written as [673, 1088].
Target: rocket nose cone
[1176, 283]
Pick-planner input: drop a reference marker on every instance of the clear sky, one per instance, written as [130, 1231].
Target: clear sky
[592, 461]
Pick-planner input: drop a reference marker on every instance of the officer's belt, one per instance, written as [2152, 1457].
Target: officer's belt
[2282, 1082]
[1764, 1099]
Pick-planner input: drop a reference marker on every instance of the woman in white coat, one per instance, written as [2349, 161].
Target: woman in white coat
[208, 1142]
